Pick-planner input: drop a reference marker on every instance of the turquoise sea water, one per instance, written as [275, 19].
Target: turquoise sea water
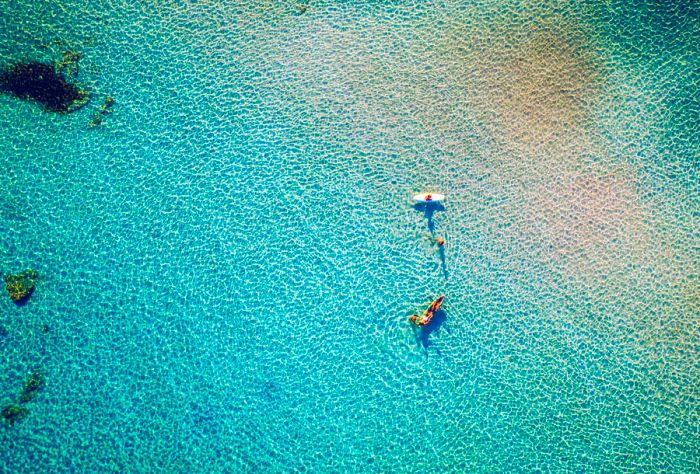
[228, 262]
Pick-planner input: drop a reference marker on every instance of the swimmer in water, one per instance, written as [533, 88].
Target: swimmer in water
[429, 313]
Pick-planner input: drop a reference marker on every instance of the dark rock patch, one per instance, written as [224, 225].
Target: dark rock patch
[13, 413]
[44, 84]
[105, 110]
[32, 386]
[20, 286]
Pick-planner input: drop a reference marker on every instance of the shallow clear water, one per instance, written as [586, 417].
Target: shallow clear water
[229, 260]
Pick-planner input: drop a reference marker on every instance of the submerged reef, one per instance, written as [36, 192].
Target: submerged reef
[32, 386]
[105, 110]
[13, 413]
[69, 63]
[20, 286]
[45, 84]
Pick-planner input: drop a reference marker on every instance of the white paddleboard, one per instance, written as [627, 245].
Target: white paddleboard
[429, 197]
